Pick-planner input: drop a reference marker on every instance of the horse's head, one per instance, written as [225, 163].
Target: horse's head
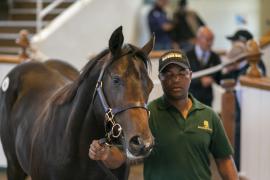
[123, 89]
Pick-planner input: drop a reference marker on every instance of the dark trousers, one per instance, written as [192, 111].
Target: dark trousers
[237, 137]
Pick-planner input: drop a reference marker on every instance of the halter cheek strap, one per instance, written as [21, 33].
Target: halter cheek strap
[110, 113]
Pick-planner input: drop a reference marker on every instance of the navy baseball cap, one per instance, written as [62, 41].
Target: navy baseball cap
[173, 57]
[241, 35]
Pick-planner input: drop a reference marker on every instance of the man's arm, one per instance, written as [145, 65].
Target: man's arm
[226, 168]
[111, 157]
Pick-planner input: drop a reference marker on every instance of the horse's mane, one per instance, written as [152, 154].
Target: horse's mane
[68, 92]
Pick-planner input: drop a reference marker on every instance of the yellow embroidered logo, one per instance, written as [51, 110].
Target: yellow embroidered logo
[205, 126]
[171, 55]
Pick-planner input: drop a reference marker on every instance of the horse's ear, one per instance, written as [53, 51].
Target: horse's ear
[116, 41]
[148, 47]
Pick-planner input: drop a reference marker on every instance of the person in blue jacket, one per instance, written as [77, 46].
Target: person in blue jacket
[160, 25]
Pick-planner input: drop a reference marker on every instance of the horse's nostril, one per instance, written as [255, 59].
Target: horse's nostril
[136, 140]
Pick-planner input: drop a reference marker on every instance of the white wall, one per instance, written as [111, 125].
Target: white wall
[221, 15]
[255, 125]
[85, 29]
[266, 58]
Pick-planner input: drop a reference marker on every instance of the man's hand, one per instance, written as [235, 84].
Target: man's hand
[207, 81]
[98, 151]
[167, 26]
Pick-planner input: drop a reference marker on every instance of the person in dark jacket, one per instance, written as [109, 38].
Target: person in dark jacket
[202, 57]
[186, 24]
[240, 37]
[160, 25]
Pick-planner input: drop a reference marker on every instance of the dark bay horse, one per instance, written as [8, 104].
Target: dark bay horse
[49, 115]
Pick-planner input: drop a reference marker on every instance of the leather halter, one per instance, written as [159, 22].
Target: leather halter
[113, 130]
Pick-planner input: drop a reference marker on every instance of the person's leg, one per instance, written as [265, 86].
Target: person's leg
[237, 145]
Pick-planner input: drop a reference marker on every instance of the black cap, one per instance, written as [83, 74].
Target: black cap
[241, 35]
[173, 57]
[182, 3]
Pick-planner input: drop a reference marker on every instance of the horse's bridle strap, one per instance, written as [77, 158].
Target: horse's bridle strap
[129, 106]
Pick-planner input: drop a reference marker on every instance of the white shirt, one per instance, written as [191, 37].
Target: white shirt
[200, 53]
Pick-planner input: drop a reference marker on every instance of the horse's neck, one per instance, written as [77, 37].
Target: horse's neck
[82, 123]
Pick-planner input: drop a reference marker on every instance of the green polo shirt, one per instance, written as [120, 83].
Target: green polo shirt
[182, 146]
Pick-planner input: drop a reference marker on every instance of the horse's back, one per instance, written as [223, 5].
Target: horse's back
[64, 68]
[22, 100]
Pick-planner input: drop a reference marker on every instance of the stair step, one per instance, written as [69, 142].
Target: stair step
[46, 1]
[31, 17]
[16, 26]
[8, 36]
[21, 23]
[17, 29]
[34, 11]
[30, 14]
[8, 39]
[11, 36]
[21, 4]
[23, 16]
[8, 42]
[10, 50]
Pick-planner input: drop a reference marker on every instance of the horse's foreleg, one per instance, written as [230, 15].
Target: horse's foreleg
[15, 172]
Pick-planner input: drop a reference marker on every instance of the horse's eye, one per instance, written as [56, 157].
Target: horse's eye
[116, 80]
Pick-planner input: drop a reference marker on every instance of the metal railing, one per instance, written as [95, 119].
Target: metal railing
[41, 13]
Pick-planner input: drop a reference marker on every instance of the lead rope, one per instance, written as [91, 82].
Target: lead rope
[107, 171]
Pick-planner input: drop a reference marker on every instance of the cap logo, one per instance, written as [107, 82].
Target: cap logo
[205, 126]
[171, 55]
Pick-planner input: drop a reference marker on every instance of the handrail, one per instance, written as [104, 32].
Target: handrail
[10, 59]
[41, 13]
[258, 83]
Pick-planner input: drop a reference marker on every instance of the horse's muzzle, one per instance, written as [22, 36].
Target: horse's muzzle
[139, 147]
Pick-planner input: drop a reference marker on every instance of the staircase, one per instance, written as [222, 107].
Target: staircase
[22, 15]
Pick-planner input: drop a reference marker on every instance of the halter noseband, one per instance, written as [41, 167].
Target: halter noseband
[113, 130]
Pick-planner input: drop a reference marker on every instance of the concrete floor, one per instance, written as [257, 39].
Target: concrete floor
[135, 173]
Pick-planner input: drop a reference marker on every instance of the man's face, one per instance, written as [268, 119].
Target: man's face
[238, 42]
[206, 41]
[162, 3]
[175, 81]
